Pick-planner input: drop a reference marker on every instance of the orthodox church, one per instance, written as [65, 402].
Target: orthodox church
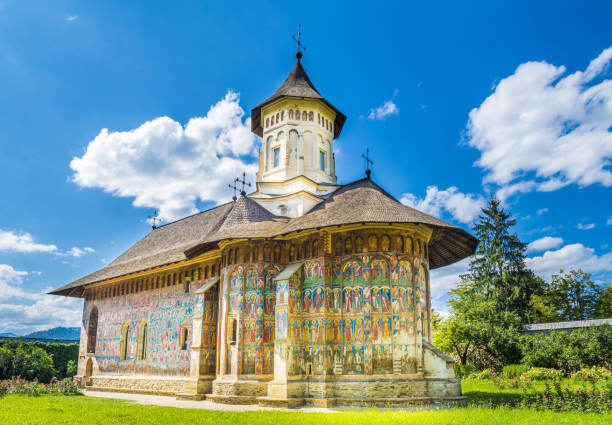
[304, 292]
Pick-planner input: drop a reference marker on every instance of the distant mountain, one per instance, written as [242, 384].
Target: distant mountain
[8, 334]
[57, 333]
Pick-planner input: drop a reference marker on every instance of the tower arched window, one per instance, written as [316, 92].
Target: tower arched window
[298, 114]
[277, 117]
[267, 122]
[92, 330]
[283, 115]
[311, 116]
[277, 253]
[290, 114]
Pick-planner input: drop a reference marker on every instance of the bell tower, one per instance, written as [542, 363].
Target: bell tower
[296, 163]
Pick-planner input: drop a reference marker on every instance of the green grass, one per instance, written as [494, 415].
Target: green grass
[58, 409]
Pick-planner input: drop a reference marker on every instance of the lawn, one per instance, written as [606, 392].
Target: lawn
[59, 409]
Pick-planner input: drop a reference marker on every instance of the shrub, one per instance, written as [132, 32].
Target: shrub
[593, 374]
[593, 400]
[34, 388]
[71, 368]
[61, 353]
[464, 370]
[483, 374]
[514, 370]
[542, 373]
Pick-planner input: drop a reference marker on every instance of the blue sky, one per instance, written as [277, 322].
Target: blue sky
[454, 100]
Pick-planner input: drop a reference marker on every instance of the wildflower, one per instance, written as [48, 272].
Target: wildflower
[566, 389]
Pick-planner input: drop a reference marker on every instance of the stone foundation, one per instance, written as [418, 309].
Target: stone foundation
[135, 384]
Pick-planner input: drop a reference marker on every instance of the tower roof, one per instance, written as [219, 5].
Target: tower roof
[298, 85]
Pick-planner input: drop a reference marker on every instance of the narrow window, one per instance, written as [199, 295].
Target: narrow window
[322, 160]
[184, 337]
[125, 330]
[234, 332]
[92, 330]
[143, 336]
[276, 157]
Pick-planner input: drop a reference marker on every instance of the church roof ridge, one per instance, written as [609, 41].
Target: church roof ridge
[297, 84]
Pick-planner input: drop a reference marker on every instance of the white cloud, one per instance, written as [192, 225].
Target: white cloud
[463, 207]
[386, 109]
[443, 280]
[72, 18]
[542, 130]
[542, 244]
[77, 252]
[585, 226]
[542, 211]
[167, 166]
[570, 257]
[609, 221]
[23, 311]
[22, 242]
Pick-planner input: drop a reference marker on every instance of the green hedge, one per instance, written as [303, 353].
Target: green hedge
[60, 354]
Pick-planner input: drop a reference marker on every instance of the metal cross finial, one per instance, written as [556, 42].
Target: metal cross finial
[154, 219]
[244, 182]
[299, 45]
[368, 162]
[235, 189]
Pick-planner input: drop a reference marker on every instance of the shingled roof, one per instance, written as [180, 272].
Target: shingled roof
[297, 84]
[362, 201]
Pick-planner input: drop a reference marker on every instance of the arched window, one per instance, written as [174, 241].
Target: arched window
[184, 337]
[385, 243]
[282, 115]
[399, 244]
[143, 338]
[372, 243]
[304, 116]
[338, 247]
[277, 117]
[234, 333]
[267, 122]
[348, 246]
[297, 114]
[123, 351]
[307, 249]
[311, 116]
[267, 253]
[358, 244]
[290, 114]
[206, 272]
[292, 253]
[315, 248]
[277, 253]
[92, 330]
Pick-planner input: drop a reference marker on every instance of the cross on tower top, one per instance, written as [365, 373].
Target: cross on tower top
[235, 189]
[299, 45]
[368, 162]
[244, 182]
[154, 219]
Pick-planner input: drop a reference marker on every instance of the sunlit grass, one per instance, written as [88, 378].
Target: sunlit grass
[56, 409]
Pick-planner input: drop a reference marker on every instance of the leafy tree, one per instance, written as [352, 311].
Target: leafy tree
[574, 295]
[71, 368]
[603, 305]
[451, 337]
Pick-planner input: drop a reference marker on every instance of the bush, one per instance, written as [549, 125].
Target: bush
[593, 374]
[71, 368]
[483, 374]
[61, 353]
[542, 373]
[34, 388]
[569, 351]
[464, 370]
[32, 364]
[593, 400]
[514, 370]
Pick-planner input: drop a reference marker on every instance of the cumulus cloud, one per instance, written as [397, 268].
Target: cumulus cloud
[542, 244]
[585, 226]
[569, 257]
[463, 207]
[542, 211]
[22, 242]
[167, 166]
[542, 129]
[77, 252]
[386, 109]
[23, 311]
